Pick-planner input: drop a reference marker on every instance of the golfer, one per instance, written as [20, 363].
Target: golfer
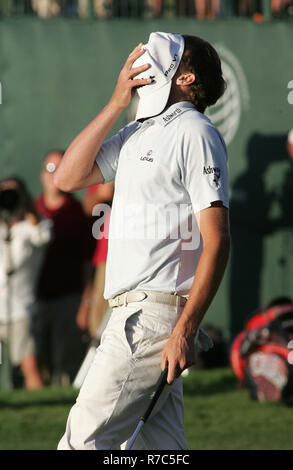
[168, 239]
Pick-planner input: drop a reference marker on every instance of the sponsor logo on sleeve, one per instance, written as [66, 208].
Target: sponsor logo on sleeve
[214, 175]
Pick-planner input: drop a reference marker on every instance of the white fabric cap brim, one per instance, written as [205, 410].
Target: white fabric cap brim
[153, 104]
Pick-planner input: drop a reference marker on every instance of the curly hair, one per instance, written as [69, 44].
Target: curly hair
[202, 59]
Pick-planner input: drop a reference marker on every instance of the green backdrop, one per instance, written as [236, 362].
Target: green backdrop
[56, 75]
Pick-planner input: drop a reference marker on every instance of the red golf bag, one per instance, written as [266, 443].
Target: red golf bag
[260, 354]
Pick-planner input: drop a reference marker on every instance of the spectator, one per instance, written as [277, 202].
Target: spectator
[99, 194]
[68, 7]
[184, 7]
[153, 8]
[244, 7]
[63, 285]
[207, 8]
[46, 8]
[279, 7]
[120, 8]
[22, 236]
[102, 8]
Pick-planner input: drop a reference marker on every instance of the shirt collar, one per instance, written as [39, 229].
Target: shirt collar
[168, 115]
[172, 112]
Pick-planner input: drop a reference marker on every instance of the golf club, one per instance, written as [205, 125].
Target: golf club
[161, 384]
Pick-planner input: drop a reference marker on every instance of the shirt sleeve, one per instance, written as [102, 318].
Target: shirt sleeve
[204, 166]
[108, 156]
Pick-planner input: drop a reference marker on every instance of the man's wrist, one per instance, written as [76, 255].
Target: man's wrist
[115, 107]
[185, 328]
[183, 334]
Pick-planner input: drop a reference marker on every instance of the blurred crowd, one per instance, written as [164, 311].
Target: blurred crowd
[200, 9]
[51, 278]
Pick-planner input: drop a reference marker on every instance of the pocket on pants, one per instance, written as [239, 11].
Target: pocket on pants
[124, 332]
[134, 333]
[142, 329]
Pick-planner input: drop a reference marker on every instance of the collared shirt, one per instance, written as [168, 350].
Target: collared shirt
[166, 170]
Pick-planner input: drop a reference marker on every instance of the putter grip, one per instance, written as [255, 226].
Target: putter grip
[161, 384]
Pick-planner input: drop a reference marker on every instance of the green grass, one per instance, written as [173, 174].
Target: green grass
[217, 416]
[34, 419]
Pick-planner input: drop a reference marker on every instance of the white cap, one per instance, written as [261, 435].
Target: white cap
[163, 52]
[290, 137]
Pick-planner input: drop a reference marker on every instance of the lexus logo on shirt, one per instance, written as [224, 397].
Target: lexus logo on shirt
[147, 157]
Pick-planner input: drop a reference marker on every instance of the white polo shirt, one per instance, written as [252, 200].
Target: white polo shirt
[166, 169]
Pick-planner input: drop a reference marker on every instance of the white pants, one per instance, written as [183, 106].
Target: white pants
[121, 381]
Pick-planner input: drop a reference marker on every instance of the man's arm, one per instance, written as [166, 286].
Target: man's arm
[103, 194]
[78, 169]
[179, 351]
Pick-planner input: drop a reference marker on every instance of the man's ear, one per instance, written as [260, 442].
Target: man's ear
[185, 79]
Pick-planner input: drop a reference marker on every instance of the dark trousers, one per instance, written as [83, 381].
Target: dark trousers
[60, 345]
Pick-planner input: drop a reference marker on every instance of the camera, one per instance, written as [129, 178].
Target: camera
[9, 203]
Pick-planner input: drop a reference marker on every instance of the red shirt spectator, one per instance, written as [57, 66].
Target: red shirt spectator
[63, 268]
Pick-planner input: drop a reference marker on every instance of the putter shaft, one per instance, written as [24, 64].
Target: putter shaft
[143, 420]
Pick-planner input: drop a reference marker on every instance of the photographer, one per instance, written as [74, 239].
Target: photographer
[22, 236]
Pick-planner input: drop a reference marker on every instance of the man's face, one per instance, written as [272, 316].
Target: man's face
[290, 149]
[50, 165]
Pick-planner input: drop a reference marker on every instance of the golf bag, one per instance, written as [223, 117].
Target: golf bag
[260, 354]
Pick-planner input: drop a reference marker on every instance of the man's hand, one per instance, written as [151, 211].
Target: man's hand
[126, 84]
[178, 354]
[32, 218]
